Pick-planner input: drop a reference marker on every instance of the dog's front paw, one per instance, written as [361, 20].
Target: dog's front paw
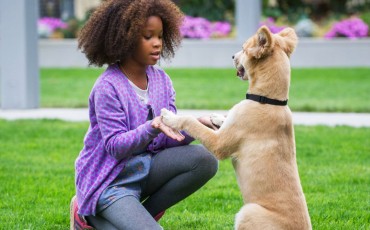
[217, 119]
[170, 119]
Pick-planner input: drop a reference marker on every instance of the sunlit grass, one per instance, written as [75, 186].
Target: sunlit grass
[330, 90]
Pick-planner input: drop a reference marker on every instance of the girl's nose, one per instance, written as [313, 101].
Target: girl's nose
[157, 42]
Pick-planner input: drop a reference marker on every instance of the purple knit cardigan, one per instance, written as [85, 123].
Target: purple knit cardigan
[118, 128]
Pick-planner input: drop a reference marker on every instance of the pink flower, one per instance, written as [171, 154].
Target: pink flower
[201, 28]
[270, 23]
[52, 23]
[351, 28]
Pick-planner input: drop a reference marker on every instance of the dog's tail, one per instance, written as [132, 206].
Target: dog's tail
[254, 216]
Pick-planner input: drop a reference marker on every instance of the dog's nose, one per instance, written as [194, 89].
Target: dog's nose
[233, 56]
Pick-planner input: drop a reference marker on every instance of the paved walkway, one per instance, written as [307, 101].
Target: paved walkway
[299, 118]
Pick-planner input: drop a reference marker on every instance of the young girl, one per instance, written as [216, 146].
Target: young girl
[132, 167]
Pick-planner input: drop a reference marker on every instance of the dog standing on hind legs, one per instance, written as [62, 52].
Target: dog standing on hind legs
[258, 135]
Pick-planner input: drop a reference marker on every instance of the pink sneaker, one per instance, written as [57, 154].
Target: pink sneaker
[159, 216]
[77, 222]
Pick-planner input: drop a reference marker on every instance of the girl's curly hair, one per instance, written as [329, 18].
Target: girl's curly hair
[113, 30]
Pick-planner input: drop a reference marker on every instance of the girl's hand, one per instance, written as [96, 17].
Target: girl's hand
[174, 134]
[206, 120]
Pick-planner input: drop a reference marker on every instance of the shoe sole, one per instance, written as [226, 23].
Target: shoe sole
[71, 213]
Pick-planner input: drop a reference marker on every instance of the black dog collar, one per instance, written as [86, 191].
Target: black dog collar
[265, 100]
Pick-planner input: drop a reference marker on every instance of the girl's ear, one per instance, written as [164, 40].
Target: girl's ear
[289, 41]
[264, 43]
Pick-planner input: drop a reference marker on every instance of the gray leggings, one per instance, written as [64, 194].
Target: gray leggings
[175, 174]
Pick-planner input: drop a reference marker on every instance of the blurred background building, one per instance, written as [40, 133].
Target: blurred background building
[338, 27]
[337, 30]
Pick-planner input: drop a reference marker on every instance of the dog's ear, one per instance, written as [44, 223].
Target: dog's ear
[264, 37]
[289, 41]
[264, 42]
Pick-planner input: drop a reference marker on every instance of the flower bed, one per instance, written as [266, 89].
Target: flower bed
[201, 28]
[49, 26]
[351, 28]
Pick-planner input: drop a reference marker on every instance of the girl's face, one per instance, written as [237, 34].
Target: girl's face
[150, 44]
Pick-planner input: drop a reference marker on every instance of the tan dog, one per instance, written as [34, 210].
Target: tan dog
[258, 135]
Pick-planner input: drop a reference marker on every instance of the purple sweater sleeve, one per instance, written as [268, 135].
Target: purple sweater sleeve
[172, 107]
[120, 142]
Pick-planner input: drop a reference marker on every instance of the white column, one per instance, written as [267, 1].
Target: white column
[248, 16]
[19, 71]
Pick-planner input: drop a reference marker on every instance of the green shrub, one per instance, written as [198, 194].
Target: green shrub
[213, 10]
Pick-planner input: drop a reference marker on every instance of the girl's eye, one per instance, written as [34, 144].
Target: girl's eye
[148, 37]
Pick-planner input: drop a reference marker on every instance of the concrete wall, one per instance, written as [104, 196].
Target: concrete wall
[218, 53]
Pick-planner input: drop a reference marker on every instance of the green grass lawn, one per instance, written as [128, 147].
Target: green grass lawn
[37, 179]
[329, 89]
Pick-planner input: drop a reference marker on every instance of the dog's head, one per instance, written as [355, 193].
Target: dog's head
[265, 54]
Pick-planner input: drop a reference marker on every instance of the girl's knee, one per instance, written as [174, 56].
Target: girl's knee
[206, 161]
